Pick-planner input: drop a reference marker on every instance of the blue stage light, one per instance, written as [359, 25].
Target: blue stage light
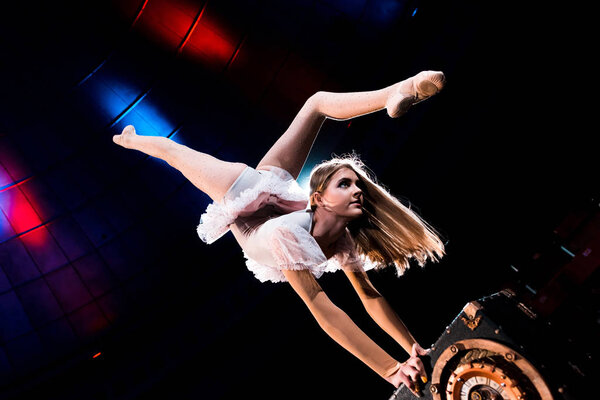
[142, 112]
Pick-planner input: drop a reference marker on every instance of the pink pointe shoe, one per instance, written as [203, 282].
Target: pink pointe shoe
[414, 90]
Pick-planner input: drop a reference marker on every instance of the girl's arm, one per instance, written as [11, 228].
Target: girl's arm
[340, 327]
[380, 310]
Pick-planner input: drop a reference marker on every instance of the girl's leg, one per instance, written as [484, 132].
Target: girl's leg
[207, 173]
[291, 149]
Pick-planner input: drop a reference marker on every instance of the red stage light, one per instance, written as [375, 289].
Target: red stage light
[18, 210]
[210, 46]
[194, 30]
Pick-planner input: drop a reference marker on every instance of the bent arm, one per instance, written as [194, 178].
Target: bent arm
[380, 310]
[338, 325]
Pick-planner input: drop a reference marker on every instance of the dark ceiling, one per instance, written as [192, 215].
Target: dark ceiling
[98, 249]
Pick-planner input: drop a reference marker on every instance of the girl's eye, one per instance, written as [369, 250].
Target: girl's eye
[343, 183]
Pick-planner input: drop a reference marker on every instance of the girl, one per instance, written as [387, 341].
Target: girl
[348, 223]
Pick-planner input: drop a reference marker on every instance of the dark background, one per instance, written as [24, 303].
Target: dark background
[98, 249]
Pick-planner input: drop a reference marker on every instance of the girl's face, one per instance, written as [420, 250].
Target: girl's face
[343, 194]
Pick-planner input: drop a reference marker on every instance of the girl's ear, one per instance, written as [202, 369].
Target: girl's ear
[316, 199]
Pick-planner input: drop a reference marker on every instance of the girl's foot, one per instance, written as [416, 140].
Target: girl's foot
[414, 90]
[124, 139]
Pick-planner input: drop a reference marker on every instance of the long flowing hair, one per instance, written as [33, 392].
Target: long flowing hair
[388, 233]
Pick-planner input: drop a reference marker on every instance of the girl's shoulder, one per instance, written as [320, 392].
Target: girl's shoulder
[302, 218]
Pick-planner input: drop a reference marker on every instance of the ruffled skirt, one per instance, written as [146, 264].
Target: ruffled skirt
[251, 191]
[267, 212]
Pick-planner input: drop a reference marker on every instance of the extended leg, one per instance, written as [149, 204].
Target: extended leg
[207, 173]
[291, 149]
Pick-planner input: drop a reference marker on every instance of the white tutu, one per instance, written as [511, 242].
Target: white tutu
[251, 191]
[284, 243]
[267, 212]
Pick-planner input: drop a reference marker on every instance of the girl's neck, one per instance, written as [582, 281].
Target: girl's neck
[327, 228]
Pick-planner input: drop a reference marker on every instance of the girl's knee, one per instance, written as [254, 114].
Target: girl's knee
[315, 99]
[313, 103]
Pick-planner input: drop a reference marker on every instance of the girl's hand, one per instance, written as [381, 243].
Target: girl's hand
[419, 351]
[412, 372]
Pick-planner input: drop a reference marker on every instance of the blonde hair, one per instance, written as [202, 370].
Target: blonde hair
[388, 232]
